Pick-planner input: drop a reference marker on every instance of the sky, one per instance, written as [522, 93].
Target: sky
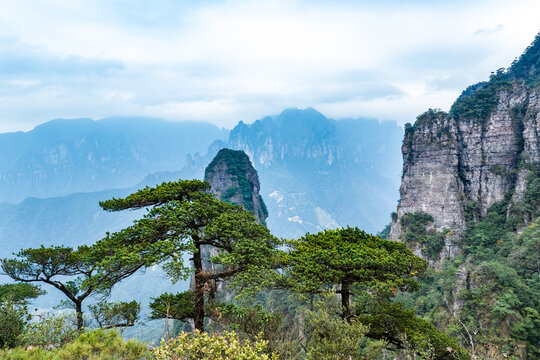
[225, 61]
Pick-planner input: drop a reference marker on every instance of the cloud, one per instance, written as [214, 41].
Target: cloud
[20, 60]
[224, 61]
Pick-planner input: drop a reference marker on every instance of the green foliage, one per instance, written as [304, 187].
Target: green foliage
[531, 196]
[14, 312]
[187, 222]
[332, 338]
[477, 102]
[253, 321]
[116, 314]
[527, 67]
[498, 170]
[13, 319]
[394, 323]
[74, 272]
[178, 306]
[168, 191]
[203, 346]
[19, 292]
[50, 330]
[350, 257]
[499, 298]
[415, 226]
[385, 232]
[92, 345]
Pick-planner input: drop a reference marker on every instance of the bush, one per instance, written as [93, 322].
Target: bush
[13, 319]
[94, 345]
[330, 337]
[50, 331]
[204, 346]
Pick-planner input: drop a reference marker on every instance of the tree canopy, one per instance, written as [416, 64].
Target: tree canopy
[350, 260]
[183, 219]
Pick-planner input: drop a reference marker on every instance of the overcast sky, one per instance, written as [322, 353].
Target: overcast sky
[225, 61]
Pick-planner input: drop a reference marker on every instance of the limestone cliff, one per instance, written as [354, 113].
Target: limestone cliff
[233, 179]
[458, 164]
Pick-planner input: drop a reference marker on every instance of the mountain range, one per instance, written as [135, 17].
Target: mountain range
[314, 173]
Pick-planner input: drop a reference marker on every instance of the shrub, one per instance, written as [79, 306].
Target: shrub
[94, 345]
[50, 331]
[13, 318]
[203, 346]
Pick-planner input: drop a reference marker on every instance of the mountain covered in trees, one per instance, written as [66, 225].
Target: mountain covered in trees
[470, 201]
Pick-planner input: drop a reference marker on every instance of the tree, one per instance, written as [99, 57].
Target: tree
[183, 219]
[116, 314]
[19, 293]
[178, 306]
[73, 272]
[13, 311]
[350, 263]
[349, 258]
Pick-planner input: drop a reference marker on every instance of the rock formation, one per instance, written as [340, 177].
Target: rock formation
[233, 179]
[458, 164]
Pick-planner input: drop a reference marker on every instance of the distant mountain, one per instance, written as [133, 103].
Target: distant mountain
[62, 157]
[316, 172]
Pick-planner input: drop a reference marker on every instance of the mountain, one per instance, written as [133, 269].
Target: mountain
[457, 165]
[62, 157]
[316, 172]
[470, 204]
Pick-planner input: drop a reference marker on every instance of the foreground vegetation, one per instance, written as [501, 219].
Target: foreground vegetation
[330, 295]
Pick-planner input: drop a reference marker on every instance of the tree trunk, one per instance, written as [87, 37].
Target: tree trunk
[198, 317]
[78, 310]
[345, 300]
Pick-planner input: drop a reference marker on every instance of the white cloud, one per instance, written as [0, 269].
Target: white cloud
[222, 61]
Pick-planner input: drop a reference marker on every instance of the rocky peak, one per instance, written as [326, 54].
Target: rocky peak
[458, 164]
[292, 135]
[234, 179]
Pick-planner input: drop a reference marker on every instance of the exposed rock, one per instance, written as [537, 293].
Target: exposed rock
[233, 179]
[458, 164]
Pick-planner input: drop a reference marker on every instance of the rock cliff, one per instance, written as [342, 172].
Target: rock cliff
[233, 179]
[456, 165]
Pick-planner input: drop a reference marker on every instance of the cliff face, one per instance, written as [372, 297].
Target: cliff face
[458, 164]
[233, 179]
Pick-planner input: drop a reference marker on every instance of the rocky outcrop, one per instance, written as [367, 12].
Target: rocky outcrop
[458, 164]
[233, 179]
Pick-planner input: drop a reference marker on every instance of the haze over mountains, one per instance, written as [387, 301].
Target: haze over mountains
[314, 172]
[62, 156]
[309, 167]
